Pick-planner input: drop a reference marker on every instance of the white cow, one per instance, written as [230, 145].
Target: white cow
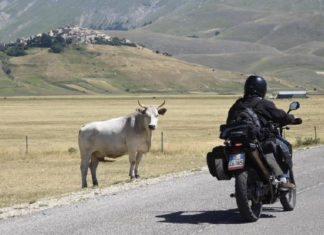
[115, 137]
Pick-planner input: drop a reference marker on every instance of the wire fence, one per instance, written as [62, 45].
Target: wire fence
[308, 140]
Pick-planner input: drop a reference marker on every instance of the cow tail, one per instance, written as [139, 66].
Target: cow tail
[79, 138]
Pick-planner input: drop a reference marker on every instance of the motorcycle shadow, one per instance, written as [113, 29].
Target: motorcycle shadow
[272, 209]
[231, 216]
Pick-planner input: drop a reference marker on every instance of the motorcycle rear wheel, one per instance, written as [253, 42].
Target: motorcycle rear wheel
[245, 188]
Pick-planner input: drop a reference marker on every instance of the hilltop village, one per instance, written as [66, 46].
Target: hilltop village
[57, 39]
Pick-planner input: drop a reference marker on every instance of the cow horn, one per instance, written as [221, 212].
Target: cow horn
[139, 103]
[161, 104]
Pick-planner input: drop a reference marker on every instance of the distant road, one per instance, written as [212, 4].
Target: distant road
[193, 204]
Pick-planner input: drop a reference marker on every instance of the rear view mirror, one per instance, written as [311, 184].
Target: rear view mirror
[293, 106]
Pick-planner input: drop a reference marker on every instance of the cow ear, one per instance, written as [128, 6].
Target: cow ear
[141, 111]
[162, 111]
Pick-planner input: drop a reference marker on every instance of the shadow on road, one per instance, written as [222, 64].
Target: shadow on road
[231, 216]
[272, 209]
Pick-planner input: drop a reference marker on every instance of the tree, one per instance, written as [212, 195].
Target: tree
[57, 47]
[45, 41]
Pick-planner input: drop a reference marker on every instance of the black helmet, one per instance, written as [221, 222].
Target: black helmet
[255, 85]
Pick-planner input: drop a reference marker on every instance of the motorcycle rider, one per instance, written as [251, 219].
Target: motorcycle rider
[255, 89]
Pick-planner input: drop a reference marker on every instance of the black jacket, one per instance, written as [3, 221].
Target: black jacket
[265, 109]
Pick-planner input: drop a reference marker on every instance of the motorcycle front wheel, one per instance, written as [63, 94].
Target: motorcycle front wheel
[247, 200]
[288, 198]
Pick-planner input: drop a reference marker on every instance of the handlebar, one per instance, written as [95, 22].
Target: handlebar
[278, 128]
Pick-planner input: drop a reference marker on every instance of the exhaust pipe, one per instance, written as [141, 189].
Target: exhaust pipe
[255, 155]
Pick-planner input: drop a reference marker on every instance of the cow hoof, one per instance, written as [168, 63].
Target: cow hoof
[84, 186]
[132, 178]
[137, 176]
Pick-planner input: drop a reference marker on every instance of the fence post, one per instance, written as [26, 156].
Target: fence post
[26, 144]
[162, 142]
[315, 133]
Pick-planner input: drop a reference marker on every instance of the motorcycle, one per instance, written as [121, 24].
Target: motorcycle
[243, 159]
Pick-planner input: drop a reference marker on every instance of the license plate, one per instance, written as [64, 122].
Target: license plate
[236, 161]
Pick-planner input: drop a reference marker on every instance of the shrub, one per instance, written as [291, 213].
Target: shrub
[15, 51]
[72, 150]
[45, 41]
[57, 47]
[60, 39]
[78, 47]
[6, 70]
[307, 141]
[116, 41]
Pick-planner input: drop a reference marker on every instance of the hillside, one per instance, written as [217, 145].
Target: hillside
[283, 39]
[23, 18]
[103, 69]
[20, 18]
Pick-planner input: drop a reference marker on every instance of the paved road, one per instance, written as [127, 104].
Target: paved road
[194, 204]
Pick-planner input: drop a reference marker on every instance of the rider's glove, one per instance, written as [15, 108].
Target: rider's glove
[298, 121]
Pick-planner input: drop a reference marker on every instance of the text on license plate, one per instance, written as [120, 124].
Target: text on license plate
[236, 161]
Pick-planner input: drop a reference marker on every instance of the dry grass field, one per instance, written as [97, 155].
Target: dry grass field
[51, 167]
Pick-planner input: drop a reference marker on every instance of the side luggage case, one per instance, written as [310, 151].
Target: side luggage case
[217, 163]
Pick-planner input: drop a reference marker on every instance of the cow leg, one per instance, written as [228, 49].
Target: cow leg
[138, 160]
[93, 167]
[84, 169]
[132, 162]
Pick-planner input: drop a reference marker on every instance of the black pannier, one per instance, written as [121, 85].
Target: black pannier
[217, 163]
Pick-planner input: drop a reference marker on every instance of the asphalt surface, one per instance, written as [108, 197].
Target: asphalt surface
[193, 204]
